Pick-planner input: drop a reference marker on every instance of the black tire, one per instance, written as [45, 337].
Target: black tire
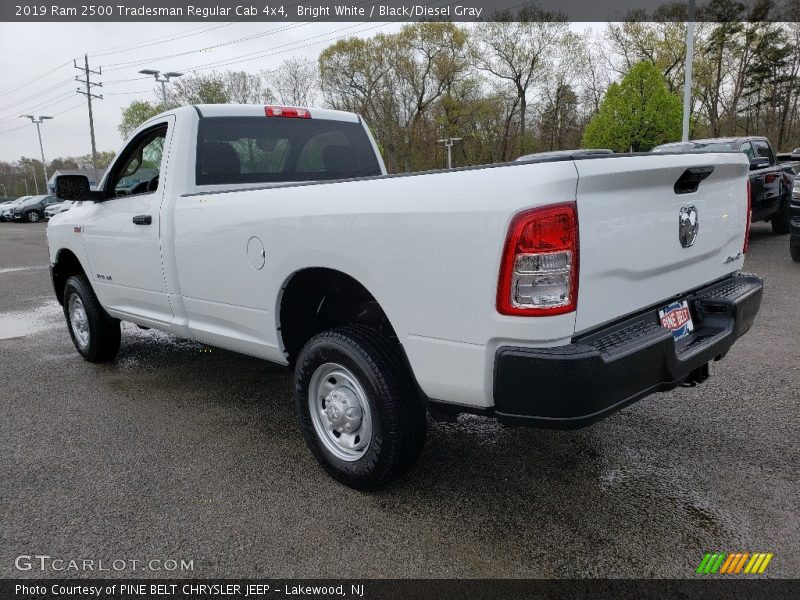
[33, 217]
[795, 252]
[398, 414]
[781, 219]
[103, 340]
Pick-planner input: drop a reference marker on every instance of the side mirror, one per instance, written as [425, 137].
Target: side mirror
[759, 162]
[73, 187]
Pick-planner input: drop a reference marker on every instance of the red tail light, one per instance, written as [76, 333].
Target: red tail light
[746, 245]
[287, 112]
[539, 268]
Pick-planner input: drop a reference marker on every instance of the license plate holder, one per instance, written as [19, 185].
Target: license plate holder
[677, 318]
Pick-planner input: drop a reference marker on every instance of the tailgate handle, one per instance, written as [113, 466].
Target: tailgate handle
[691, 178]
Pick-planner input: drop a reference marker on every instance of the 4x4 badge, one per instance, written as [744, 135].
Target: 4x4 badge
[688, 224]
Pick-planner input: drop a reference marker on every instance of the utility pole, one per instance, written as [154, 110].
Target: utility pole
[38, 121]
[687, 72]
[163, 79]
[448, 143]
[87, 72]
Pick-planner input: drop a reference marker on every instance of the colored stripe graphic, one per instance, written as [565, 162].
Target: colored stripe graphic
[731, 560]
[740, 563]
[732, 564]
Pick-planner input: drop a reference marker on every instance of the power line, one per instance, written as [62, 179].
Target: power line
[261, 53]
[37, 108]
[54, 114]
[154, 41]
[124, 65]
[128, 64]
[39, 93]
[32, 80]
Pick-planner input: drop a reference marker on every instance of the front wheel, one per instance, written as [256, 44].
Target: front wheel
[33, 217]
[357, 407]
[96, 335]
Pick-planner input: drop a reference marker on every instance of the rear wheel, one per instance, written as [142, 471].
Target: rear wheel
[33, 217]
[357, 406]
[795, 252]
[95, 334]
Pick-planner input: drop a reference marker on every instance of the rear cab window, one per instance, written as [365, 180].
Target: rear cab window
[236, 150]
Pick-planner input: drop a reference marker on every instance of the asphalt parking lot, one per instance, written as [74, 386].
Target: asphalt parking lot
[176, 451]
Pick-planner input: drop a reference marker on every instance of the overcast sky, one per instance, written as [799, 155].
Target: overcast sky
[38, 75]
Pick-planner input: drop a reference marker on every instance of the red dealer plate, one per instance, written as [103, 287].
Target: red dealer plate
[677, 318]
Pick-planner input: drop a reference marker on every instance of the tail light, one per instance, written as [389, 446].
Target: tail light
[287, 112]
[539, 268]
[746, 245]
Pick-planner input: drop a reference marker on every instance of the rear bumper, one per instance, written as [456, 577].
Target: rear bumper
[580, 383]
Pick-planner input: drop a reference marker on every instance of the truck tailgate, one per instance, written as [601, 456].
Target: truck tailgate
[631, 254]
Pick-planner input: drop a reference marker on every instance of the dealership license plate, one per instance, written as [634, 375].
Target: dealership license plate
[677, 318]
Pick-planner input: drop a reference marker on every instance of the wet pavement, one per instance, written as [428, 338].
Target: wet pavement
[177, 451]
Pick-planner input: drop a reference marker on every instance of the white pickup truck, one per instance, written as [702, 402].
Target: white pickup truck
[544, 293]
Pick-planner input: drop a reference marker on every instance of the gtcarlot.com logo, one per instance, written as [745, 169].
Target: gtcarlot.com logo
[43, 562]
[734, 563]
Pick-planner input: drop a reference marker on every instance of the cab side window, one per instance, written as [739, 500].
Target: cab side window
[747, 149]
[763, 149]
[140, 165]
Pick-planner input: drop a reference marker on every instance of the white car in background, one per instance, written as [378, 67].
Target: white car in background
[5, 210]
[55, 209]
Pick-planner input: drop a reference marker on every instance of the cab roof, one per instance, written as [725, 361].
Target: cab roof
[257, 110]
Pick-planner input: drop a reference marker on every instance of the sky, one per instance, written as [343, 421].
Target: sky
[39, 77]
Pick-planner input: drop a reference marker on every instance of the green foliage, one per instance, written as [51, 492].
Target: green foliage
[136, 113]
[636, 114]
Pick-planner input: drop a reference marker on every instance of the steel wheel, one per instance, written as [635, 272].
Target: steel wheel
[340, 411]
[79, 321]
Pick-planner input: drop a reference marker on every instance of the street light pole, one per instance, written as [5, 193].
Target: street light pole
[448, 143]
[687, 75]
[163, 79]
[38, 121]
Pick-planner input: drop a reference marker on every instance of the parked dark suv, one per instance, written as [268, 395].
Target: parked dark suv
[769, 198]
[32, 210]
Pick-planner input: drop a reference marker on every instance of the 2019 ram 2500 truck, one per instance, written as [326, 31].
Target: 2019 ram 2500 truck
[547, 293]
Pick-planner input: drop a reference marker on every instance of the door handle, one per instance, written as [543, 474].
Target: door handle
[142, 220]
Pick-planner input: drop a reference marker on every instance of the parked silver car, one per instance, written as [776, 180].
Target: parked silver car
[55, 209]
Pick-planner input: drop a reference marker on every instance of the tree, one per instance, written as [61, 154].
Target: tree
[294, 82]
[516, 48]
[199, 89]
[136, 113]
[636, 114]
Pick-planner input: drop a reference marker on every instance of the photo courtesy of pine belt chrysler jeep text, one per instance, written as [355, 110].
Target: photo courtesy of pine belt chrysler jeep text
[545, 293]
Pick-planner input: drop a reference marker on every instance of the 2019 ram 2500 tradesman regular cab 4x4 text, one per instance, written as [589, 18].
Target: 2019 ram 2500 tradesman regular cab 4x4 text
[546, 293]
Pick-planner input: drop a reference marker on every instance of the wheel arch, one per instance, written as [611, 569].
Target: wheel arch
[65, 266]
[313, 299]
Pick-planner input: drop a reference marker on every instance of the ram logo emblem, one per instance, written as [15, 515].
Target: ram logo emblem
[688, 224]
